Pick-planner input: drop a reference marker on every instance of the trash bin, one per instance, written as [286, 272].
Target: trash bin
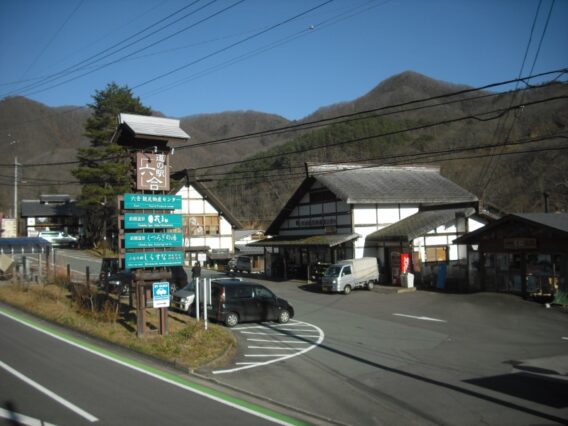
[407, 280]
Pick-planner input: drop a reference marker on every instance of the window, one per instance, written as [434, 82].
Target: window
[201, 225]
[263, 293]
[346, 271]
[437, 254]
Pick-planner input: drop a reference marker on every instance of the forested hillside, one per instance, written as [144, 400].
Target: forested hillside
[508, 148]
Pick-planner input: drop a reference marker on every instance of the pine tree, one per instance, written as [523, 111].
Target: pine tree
[104, 167]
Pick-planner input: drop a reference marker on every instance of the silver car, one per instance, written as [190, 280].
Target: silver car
[58, 238]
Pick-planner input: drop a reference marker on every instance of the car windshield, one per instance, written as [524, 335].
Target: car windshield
[332, 271]
[189, 287]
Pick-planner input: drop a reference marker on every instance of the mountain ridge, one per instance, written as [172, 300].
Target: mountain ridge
[37, 133]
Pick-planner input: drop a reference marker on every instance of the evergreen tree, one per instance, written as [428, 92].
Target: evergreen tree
[103, 169]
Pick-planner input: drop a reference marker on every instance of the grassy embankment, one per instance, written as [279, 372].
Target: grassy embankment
[91, 312]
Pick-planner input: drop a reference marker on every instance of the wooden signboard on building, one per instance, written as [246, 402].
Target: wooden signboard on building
[152, 172]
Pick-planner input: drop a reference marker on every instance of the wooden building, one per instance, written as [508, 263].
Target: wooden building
[525, 254]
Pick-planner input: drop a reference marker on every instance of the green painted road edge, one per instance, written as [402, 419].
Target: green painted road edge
[170, 377]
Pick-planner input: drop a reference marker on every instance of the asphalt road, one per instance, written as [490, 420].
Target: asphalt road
[421, 358]
[416, 358]
[44, 379]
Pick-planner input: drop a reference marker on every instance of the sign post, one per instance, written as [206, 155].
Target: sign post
[150, 242]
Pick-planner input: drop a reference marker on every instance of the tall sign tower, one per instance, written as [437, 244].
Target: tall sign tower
[150, 240]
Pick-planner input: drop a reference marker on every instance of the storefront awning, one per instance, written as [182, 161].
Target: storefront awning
[195, 249]
[305, 240]
[418, 224]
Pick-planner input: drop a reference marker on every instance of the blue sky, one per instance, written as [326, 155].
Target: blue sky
[232, 55]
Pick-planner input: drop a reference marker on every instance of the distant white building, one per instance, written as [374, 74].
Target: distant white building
[208, 226]
[343, 211]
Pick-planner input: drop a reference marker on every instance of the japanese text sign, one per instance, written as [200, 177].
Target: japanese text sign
[152, 171]
[152, 240]
[153, 259]
[149, 221]
[152, 201]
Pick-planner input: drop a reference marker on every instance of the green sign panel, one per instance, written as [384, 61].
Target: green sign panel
[156, 239]
[150, 221]
[153, 259]
[151, 201]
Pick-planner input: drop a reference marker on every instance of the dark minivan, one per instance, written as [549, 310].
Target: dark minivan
[235, 301]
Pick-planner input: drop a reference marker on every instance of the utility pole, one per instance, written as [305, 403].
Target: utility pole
[16, 192]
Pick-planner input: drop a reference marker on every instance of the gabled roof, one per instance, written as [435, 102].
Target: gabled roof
[418, 224]
[556, 223]
[132, 126]
[188, 178]
[372, 184]
[369, 184]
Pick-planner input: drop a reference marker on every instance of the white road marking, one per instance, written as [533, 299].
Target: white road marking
[318, 339]
[49, 393]
[272, 348]
[565, 338]
[21, 419]
[155, 375]
[420, 318]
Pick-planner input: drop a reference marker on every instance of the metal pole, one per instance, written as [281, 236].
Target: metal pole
[16, 192]
[205, 302]
[196, 301]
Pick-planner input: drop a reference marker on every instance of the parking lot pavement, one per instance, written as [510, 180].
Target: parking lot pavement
[268, 343]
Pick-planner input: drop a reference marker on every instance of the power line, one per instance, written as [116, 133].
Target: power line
[492, 164]
[401, 158]
[499, 112]
[207, 18]
[230, 46]
[91, 59]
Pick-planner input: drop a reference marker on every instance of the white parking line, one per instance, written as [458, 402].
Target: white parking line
[280, 348]
[420, 318]
[49, 393]
[272, 339]
[565, 338]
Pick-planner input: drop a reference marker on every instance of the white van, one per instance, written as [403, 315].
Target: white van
[350, 274]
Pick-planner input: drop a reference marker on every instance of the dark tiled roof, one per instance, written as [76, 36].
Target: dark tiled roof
[386, 185]
[556, 223]
[418, 224]
[35, 208]
[552, 220]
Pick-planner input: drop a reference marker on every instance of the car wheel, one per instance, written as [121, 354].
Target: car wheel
[347, 289]
[231, 319]
[370, 285]
[284, 316]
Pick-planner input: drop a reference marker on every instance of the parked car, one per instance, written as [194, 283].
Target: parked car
[116, 280]
[235, 301]
[239, 264]
[184, 298]
[350, 274]
[58, 238]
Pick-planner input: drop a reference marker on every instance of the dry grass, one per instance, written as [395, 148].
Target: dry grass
[187, 343]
